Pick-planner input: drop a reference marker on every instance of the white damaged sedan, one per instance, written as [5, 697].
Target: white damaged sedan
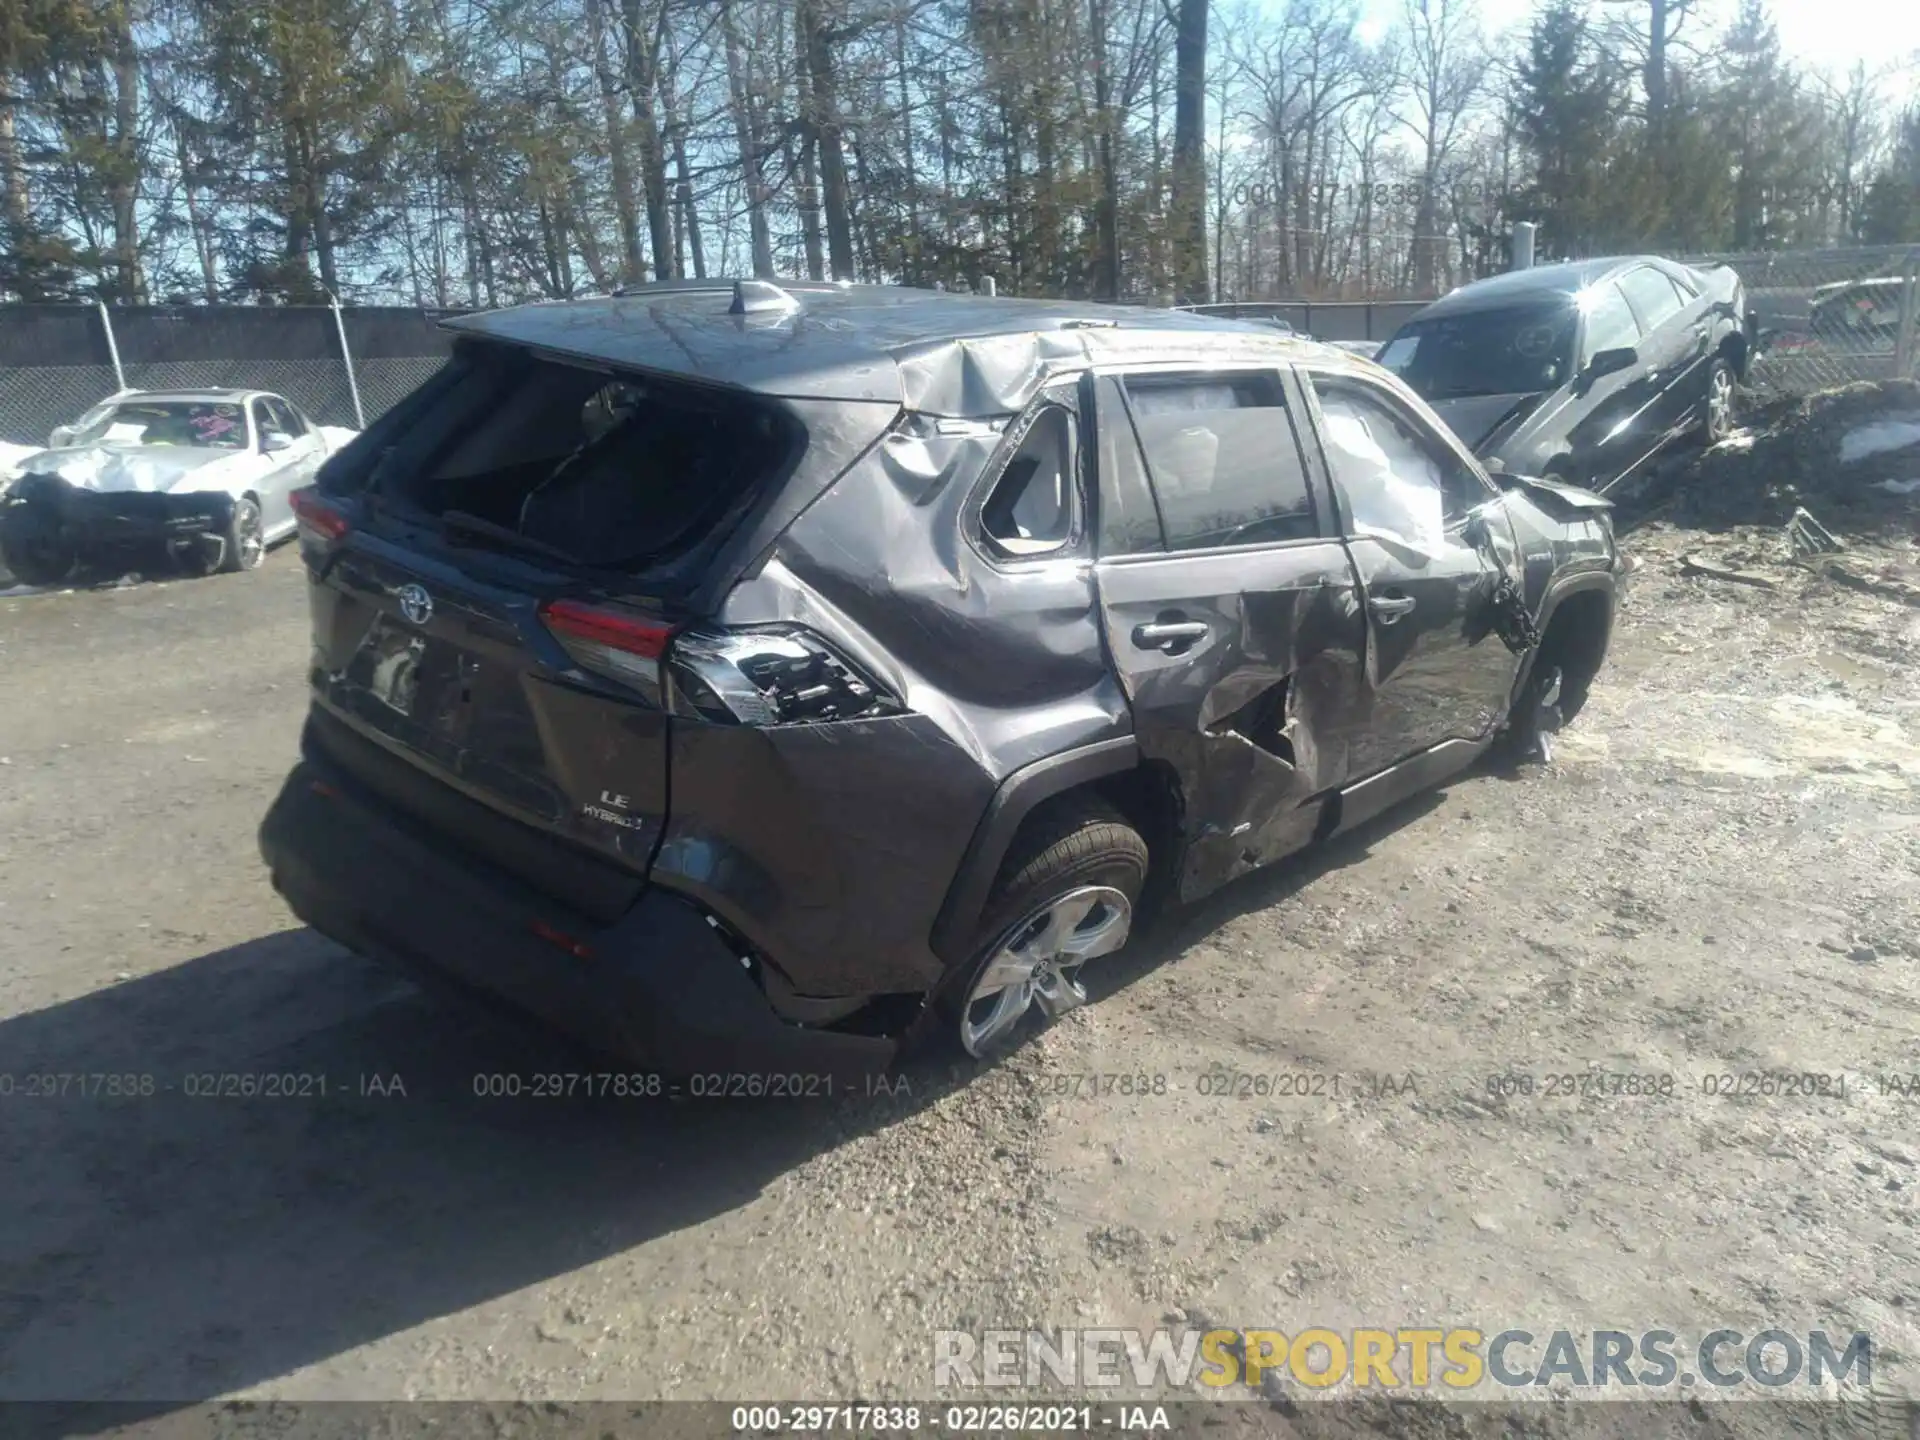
[203, 477]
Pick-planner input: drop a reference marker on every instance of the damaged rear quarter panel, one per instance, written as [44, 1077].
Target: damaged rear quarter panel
[837, 843]
[828, 847]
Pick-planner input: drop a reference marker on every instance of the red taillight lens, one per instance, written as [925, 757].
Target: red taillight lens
[579, 949]
[632, 634]
[317, 516]
[617, 644]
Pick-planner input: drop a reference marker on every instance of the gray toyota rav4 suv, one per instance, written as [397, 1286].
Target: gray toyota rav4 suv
[753, 679]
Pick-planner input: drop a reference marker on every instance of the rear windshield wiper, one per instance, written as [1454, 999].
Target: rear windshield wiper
[461, 528]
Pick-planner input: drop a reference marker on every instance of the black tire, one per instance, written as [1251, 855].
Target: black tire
[1063, 847]
[35, 547]
[1717, 420]
[1546, 704]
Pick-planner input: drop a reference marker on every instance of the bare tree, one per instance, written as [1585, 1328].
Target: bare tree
[1445, 63]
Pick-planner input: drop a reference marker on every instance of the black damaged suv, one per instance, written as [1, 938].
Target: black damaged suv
[751, 679]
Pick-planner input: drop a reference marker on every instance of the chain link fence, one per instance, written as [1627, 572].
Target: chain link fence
[1829, 317]
[56, 360]
[1826, 317]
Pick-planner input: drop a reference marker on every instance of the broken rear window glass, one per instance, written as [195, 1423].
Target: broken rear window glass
[1030, 509]
[613, 471]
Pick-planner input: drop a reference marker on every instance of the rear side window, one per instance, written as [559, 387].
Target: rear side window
[1029, 511]
[1652, 296]
[614, 471]
[283, 417]
[1223, 460]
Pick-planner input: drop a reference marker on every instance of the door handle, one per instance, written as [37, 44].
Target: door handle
[1389, 608]
[1166, 634]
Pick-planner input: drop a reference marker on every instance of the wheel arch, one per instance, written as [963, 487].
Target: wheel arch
[1734, 350]
[1580, 606]
[1112, 770]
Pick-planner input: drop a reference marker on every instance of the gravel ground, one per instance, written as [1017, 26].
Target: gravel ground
[1716, 875]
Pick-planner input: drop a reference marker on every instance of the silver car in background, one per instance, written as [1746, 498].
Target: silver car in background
[199, 478]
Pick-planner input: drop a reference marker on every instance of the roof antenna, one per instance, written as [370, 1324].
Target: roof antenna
[760, 297]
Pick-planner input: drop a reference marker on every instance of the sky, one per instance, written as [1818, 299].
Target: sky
[1829, 34]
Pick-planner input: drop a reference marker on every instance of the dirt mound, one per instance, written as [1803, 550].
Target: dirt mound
[1851, 456]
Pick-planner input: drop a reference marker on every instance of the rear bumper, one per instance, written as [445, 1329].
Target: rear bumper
[658, 988]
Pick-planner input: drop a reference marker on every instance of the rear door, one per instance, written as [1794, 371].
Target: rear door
[1618, 423]
[1435, 669]
[1671, 349]
[1230, 608]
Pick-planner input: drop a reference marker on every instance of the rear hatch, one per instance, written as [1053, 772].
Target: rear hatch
[498, 567]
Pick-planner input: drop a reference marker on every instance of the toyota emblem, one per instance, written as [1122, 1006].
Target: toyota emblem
[415, 604]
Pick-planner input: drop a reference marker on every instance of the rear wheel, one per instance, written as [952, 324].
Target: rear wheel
[1067, 894]
[1718, 422]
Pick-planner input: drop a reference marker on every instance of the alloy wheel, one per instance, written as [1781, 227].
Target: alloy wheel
[1720, 404]
[252, 536]
[1038, 961]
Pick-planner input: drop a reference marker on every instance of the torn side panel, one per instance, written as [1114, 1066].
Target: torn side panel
[1244, 669]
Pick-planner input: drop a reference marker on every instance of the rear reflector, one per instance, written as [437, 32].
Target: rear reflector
[317, 516]
[579, 949]
[571, 620]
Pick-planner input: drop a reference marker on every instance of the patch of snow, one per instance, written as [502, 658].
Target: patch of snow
[12, 456]
[1898, 487]
[1877, 437]
[1811, 738]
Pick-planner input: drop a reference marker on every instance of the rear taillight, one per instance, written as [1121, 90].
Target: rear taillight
[783, 675]
[319, 518]
[777, 675]
[616, 643]
[611, 629]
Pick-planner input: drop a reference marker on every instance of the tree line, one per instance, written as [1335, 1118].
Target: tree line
[480, 152]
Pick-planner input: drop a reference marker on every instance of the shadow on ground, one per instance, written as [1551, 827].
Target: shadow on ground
[169, 1247]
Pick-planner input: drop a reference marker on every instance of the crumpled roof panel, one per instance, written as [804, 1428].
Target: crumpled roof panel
[936, 353]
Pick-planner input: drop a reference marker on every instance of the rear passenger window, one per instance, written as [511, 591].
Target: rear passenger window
[1029, 511]
[1223, 460]
[1652, 296]
[285, 418]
